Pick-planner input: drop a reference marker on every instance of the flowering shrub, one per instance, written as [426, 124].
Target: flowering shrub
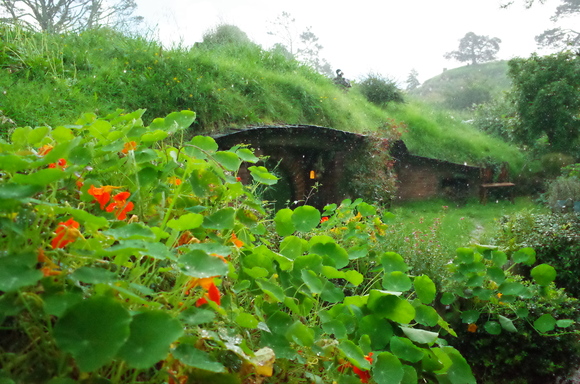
[149, 262]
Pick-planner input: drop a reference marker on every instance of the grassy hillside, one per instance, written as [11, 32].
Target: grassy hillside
[476, 81]
[51, 80]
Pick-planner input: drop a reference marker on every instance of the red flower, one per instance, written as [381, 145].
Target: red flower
[120, 205]
[364, 376]
[325, 218]
[211, 290]
[66, 232]
[102, 194]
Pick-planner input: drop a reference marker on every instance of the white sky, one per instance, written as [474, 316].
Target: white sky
[389, 37]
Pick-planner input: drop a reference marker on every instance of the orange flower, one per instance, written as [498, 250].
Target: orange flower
[472, 328]
[120, 205]
[102, 194]
[323, 219]
[174, 180]
[66, 232]
[61, 163]
[237, 242]
[45, 149]
[211, 291]
[129, 146]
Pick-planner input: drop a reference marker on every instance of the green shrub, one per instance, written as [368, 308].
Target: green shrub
[467, 96]
[525, 356]
[563, 189]
[225, 34]
[380, 90]
[556, 239]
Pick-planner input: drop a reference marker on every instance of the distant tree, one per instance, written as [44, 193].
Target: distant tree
[309, 53]
[380, 90]
[545, 92]
[303, 47]
[225, 34]
[284, 29]
[475, 49]
[412, 80]
[56, 16]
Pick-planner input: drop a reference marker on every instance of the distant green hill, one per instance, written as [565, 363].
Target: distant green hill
[460, 88]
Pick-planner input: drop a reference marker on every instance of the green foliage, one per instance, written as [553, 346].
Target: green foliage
[225, 34]
[129, 259]
[468, 96]
[497, 118]
[498, 309]
[380, 90]
[555, 237]
[545, 93]
[563, 189]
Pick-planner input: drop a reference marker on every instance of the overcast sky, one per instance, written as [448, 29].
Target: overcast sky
[389, 37]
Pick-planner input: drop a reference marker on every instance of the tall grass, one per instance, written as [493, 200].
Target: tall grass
[49, 79]
[433, 133]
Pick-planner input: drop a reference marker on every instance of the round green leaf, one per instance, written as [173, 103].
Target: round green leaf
[300, 334]
[405, 349]
[193, 357]
[306, 218]
[543, 274]
[388, 369]
[198, 263]
[545, 323]
[261, 175]
[511, 288]
[392, 261]
[470, 316]
[185, 222]
[93, 275]
[152, 333]
[391, 307]
[565, 323]
[228, 160]
[425, 289]
[525, 256]
[246, 320]
[492, 327]
[283, 221]
[93, 331]
[222, 219]
[378, 329]
[426, 315]
[397, 281]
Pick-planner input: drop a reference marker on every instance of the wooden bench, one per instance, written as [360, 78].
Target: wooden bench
[501, 183]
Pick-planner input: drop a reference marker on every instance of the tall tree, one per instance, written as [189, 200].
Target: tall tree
[412, 80]
[475, 49]
[562, 37]
[309, 53]
[545, 92]
[301, 46]
[56, 16]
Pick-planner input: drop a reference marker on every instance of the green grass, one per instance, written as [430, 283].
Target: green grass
[438, 134]
[53, 79]
[462, 225]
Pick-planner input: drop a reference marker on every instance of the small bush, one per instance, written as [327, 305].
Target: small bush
[225, 34]
[556, 239]
[537, 359]
[380, 90]
[563, 189]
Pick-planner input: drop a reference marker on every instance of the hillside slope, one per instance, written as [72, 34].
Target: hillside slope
[52, 80]
[456, 88]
